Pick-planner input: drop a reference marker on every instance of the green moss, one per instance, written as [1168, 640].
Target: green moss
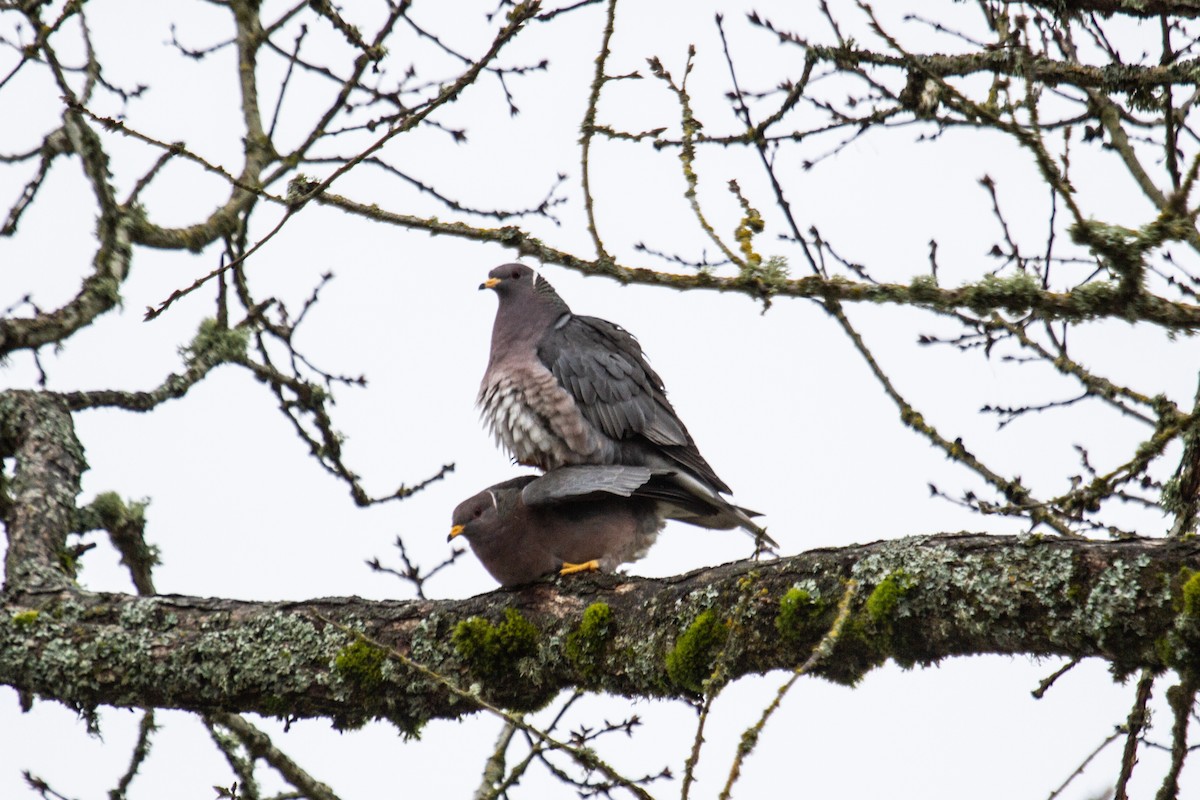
[1164, 648]
[798, 609]
[1175, 649]
[1190, 593]
[361, 664]
[881, 605]
[492, 651]
[771, 274]
[586, 644]
[879, 629]
[68, 562]
[25, 619]
[474, 640]
[690, 662]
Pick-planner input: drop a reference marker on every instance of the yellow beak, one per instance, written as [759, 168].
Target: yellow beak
[490, 283]
[455, 531]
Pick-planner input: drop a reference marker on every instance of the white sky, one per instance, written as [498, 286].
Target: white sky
[779, 403]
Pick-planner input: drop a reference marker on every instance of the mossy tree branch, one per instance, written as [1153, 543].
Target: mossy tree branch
[1133, 8]
[1133, 603]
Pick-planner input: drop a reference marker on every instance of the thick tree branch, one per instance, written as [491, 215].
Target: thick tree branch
[922, 599]
[1134, 8]
[37, 503]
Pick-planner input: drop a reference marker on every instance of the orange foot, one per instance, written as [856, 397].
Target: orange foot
[587, 566]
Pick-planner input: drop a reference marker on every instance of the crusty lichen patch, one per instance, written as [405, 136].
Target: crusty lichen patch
[216, 343]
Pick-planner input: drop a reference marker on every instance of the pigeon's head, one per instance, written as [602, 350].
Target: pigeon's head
[491, 512]
[475, 517]
[520, 284]
[510, 278]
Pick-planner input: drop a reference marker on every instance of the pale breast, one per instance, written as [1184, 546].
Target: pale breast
[534, 419]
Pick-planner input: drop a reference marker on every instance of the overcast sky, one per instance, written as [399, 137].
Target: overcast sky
[779, 403]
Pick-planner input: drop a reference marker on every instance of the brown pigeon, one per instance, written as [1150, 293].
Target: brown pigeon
[564, 389]
[573, 519]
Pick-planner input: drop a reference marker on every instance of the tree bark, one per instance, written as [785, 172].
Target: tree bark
[1135, 603]
[922, 599]
[1134, 8]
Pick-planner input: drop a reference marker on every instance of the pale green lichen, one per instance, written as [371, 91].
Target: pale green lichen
[113, 512]
[251, 659]
[924, 287]
[1110, 610]
[1016, 293]
[983, 596]
[150, 613]
[216, 343]
[1094, 298]
[772, 273]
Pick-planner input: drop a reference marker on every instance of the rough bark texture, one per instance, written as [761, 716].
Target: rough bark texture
[38, 503]
[1134, 603]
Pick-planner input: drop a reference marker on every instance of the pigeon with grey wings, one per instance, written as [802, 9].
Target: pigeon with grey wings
[563, 389]
[572, 519]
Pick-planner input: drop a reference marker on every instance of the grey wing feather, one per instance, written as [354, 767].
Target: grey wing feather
[575, 482]
[603, 368]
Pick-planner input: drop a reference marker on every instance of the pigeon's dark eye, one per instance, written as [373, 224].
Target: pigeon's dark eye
[516, 274]
[478, 513]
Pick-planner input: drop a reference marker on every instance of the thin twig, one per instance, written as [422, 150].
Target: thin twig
[819, 653]
[1138, 720]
